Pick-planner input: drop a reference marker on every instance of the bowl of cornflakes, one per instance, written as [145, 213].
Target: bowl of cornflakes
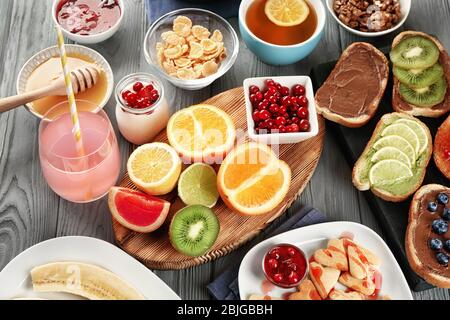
[191, 47]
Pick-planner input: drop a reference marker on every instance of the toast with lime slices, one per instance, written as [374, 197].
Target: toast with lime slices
[394, 162]
[421, 67]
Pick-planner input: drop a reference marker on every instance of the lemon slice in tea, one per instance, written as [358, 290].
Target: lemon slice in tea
[286, 13]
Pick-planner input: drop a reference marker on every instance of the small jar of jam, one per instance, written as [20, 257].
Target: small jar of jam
[142, 110]
[285, 265]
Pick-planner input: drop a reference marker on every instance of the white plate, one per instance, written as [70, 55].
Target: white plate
[15, 280]
[315, 237]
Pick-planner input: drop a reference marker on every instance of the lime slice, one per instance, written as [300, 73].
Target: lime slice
[404, 131]
[286, 13]
[389, 172]
[198, 185]
[397, 142]
[390, 153]
[419, 131]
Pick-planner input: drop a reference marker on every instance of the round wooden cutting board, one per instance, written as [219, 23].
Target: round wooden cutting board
[154, 249]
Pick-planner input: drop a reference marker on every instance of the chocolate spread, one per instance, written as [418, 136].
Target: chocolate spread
[444, 60]
[424, 232]
[355, 82]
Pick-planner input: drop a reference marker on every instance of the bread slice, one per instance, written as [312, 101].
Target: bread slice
[440, 142]
[400, 105]
[360, 171]
[426, 271]
[371, 106]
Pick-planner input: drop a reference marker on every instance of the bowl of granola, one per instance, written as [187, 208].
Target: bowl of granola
[191, 47]
[370, 18]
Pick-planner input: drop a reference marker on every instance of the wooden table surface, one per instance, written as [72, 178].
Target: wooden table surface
[30, 212]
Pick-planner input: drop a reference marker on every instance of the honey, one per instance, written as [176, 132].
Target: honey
[260, 25]
[48, 71]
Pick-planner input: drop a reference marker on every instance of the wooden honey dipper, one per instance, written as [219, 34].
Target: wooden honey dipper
[82, 79]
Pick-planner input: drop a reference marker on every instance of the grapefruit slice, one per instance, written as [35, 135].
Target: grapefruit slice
[136, 210]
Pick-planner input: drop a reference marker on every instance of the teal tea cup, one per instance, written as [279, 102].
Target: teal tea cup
[280, 54]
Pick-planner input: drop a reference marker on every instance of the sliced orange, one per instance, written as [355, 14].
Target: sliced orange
[286, 13]
[252, 180]
[201, 133]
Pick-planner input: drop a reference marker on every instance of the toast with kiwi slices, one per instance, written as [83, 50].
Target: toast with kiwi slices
[421, 68]
[394, 162]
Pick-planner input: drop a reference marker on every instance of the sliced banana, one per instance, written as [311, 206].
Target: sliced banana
[82, 279]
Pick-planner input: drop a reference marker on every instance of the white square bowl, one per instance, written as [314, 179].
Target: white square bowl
[282, 138]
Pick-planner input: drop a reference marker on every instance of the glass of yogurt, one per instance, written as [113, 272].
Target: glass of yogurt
[142, 110]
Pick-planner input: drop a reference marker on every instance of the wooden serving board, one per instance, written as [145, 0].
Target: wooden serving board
[154, 249]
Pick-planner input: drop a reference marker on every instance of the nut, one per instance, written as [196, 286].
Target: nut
[368, 15]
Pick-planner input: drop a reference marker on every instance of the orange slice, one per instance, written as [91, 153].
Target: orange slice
[252, 180]
[201, 133]
[286, 13]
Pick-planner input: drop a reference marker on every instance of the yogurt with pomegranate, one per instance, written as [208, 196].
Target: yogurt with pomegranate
[142, 110]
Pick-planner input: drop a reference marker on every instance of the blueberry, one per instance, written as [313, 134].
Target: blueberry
[439, 226]
[436, 244]
[442, 258]
[447, 245]
[442, 198]
[446, 214]
[432, 206]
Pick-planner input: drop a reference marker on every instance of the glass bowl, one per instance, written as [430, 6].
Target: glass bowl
[205, 18]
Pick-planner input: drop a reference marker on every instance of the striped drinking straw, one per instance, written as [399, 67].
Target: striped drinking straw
[70, 95]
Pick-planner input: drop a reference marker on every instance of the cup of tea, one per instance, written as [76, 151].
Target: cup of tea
[280, 44]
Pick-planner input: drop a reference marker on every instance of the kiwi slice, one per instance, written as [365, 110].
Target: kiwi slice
[415, 53]
[425, 97]
[193, 230]
[419, 78]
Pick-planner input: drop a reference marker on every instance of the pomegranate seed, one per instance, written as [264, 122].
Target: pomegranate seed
[274, 108]
[125, 94]
[303, 113]
[293, 277]
[286, 101]
[271, 90]
[282, 129]
[285, 115]
[253, 99]
[289, 121]
[264, 115]
[298, 90]
[304, 125]
[267, 95]
[259, 96]
[253, 89]
[273, 263]
[280, 121]
[269, 123]
[283, 110]
[288, 129]
[263, 105]
[295, 120]
[295, 127]
[138, 86]
[302, 101]
[273, 99]
[144, 103]
[255, 116]
[132, 99]
[154, 97]
[284, 91]
[278, 277]
[278, 86]
[270, 82]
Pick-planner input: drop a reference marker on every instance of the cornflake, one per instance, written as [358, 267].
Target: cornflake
[190, 51]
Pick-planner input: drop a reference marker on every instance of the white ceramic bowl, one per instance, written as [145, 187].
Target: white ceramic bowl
[198, 16]
[42, 56]
[94, 38]
[282, 138]
[405, 8]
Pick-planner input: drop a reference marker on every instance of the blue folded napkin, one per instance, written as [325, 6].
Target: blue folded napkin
[225, 287]
[224, 8]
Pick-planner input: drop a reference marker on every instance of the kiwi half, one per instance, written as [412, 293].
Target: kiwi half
[193, 230]
[415, 53]
[425, 97]
[419, 78]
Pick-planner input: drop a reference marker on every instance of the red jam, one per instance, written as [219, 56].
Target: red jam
[87, 17]
[285, 265]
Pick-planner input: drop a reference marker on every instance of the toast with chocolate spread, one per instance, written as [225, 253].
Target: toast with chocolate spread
[353, 90]
[394, 162]
[426, 105]
[427, 236]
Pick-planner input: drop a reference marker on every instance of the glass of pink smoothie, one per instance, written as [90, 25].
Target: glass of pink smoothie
[74, 177]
